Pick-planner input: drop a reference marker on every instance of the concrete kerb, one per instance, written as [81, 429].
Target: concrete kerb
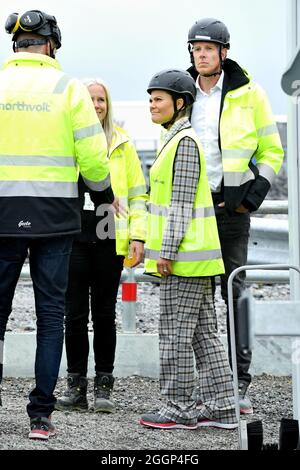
[137, 354]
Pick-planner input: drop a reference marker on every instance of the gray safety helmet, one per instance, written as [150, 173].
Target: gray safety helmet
[178, 82]
[210, 30]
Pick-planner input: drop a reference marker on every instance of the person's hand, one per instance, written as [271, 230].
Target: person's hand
[136, 253]
[164, 267]
[118, 208]
[242, 209]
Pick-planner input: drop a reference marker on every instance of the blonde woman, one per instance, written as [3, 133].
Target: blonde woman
[97, 262]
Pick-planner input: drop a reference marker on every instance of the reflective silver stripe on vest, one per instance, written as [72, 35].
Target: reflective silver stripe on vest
[62, 189]
[98, 186]
[187, 257]
[247, 176]
[160, 211]
[35, 160]
[121, 224]
[199, 213]
[141, 205]
[238, 153]
[61, 84]
[203, 212]
[137, 191]
[89, 131]
[267, 130]
[267, 172]
[234, 179]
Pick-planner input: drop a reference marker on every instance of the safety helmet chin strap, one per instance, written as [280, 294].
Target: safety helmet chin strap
[170, 123]
[207, 75]
[33, 42]
[52, 50]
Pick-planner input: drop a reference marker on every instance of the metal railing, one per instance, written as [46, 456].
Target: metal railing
[287, 324]
[273, 207]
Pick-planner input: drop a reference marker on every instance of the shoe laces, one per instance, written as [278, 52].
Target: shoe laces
[37, 423]
[102, 391]
[72, 387]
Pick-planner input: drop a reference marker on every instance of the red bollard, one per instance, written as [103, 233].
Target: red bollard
[129, 291]
[129, 298]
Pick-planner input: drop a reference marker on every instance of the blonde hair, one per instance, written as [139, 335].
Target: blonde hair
[108, 125]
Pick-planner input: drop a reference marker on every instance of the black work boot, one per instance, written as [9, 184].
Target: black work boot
[74, 398]
[103, 386]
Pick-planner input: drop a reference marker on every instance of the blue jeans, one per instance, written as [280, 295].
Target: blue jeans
[49, 265]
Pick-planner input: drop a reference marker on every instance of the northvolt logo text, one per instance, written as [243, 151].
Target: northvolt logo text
[22, 106]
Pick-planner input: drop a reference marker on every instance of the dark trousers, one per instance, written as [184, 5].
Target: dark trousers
[94, 277]
[49, 264]
[234, 235]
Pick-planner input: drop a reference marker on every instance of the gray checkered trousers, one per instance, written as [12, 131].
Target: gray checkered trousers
[188, 332]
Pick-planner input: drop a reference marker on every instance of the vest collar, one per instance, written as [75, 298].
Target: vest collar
[182, 123]
[28, 58]
[119, 137]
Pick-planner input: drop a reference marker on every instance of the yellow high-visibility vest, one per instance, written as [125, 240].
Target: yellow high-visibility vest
[128, 184]
[247, 129]
[199, 253]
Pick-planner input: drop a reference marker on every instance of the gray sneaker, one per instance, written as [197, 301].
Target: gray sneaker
[214, 423]
[158, 421]
[246, 407]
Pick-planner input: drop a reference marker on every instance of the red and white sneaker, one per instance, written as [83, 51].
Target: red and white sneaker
[156, 420]
[211, 423]
[41, 428]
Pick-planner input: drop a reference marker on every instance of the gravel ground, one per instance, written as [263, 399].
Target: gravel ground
[121, 431]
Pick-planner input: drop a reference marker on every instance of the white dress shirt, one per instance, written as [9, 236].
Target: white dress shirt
[205, 121]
